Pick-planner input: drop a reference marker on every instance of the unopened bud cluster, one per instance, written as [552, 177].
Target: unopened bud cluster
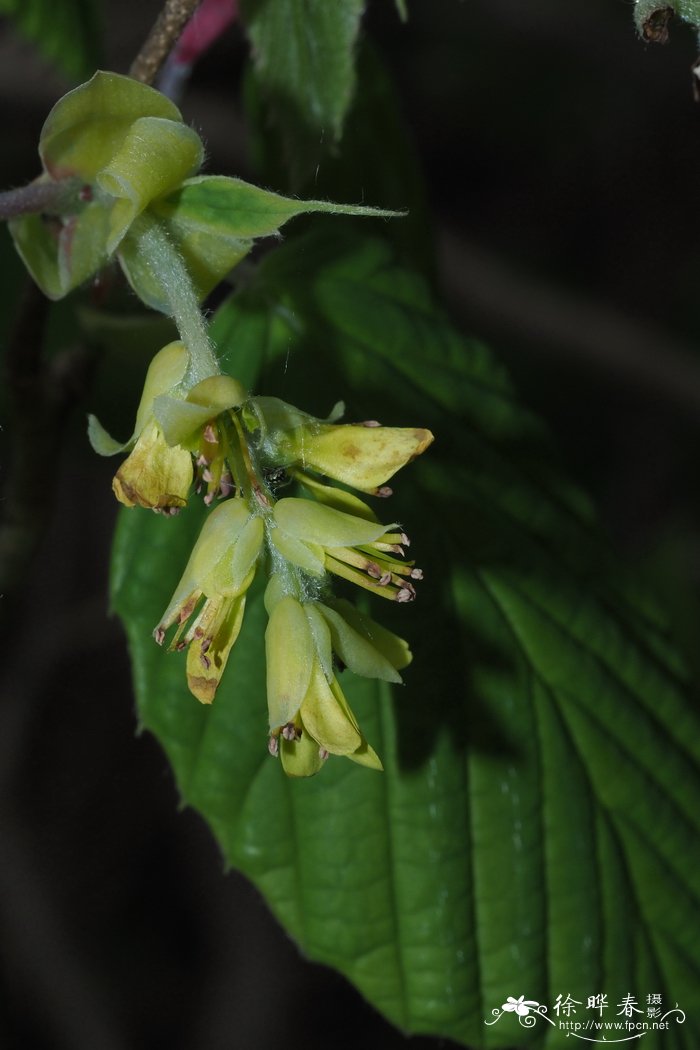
[243, 454]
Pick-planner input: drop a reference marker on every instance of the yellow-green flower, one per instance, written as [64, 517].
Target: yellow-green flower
[209, 602]
[362, 455]
[310, 717]
[159, 471]
[319, 538]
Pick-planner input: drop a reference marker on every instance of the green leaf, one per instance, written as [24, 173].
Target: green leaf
[536, 828]
[377, 162]
[65, 31]
[303, 52]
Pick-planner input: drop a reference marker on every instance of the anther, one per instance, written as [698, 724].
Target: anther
[209, 499]
[210, 434]
[384, 491]
[416, 574]
[405, 595]
[206, 475]
[205, 661]
[373, 570]
[405, 540]
[159, 635]
[322, 754]
[290, 732]
[385, 579]
[85, 193]
[371, 423]
[273, 746]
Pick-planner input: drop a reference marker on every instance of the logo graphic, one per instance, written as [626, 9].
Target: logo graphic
[630, 1022]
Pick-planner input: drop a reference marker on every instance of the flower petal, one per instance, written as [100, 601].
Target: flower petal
[322, 638]
[179, 419]
[315, 523]
[207, 655]
[329, 722]
[300, 758]
[154, 475]
[359, 456]
[308, 556]
[221, 528]
[356, 652]
[289, 648]
[395, 649]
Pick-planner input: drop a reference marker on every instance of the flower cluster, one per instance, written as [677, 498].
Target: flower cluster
[120, 182]
[235, 449]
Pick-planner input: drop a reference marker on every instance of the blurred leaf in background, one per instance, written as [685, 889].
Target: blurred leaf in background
[67, 32]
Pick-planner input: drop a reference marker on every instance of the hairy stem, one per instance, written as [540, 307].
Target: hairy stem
[165, 262]
[52, 196]
[162, 38]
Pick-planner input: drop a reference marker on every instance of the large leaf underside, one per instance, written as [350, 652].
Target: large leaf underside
[536, 829]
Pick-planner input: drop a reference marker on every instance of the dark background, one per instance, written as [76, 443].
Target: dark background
[561, 159]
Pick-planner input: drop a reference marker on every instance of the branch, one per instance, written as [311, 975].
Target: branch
[162, 38]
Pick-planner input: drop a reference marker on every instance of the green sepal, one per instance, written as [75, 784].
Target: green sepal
[87, 127]
[62, 254]
[152, 160]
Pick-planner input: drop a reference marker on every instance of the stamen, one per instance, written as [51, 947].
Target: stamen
[202, 460]
[209, 435]
[374, 570]
[290, 732]
[416, 574]
[209, 499]
[405, 595]
[206, 475]
[405, 540]
[385, 579]
[159, 635]
[273, 746]
[384, 491]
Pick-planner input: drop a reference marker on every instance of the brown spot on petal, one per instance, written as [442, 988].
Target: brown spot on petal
[203, 688]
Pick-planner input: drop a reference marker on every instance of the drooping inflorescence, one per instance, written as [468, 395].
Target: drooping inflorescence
[121, 184]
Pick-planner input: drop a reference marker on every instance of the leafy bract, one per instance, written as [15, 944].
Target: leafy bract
[535, 831]
[65, 31]
[128, 156]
